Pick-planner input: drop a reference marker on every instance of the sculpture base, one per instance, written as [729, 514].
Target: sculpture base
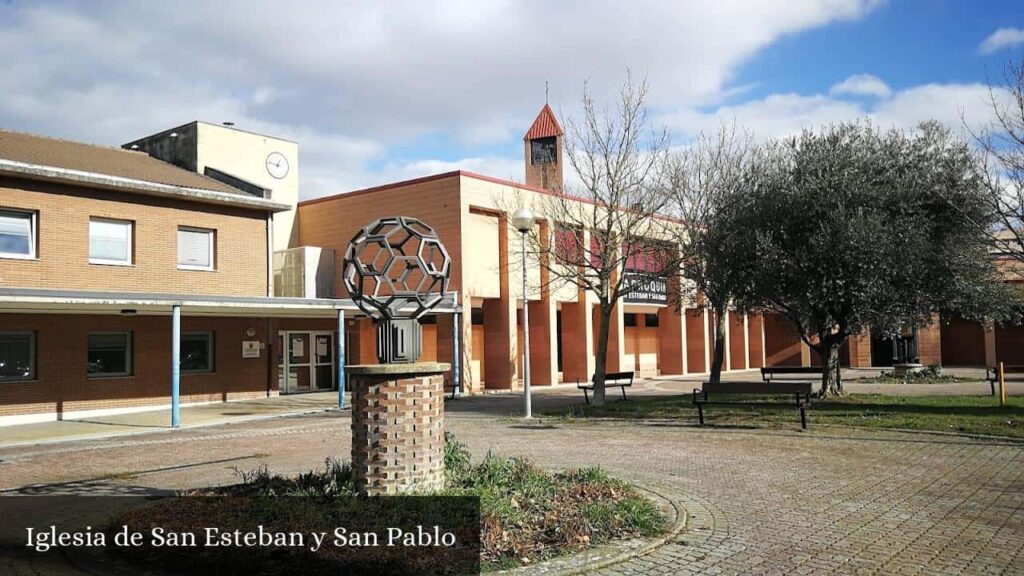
[398, 427]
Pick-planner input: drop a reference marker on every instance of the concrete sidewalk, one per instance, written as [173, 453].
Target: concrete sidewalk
[160, 419]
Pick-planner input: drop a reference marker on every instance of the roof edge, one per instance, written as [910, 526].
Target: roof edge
[146, 187]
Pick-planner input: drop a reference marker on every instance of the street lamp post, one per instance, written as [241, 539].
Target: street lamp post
[523, 219]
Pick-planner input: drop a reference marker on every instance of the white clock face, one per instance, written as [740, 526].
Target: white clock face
[277, 165]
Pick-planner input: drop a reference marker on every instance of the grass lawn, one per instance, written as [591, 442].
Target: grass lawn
[522, 514]
[963, 414]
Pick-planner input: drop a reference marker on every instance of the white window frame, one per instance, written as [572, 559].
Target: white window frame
[31, 358]
[129, 356]
[33, 219]
[210, 351]
[130, 257]
[212, 234]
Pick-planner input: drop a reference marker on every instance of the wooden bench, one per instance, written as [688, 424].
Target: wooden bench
[800, 391]
[612, 379]
[1011, 373]
[769, 373]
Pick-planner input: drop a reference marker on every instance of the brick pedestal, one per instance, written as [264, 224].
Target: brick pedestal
[398, 427]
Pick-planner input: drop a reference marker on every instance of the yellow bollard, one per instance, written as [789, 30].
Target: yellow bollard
[1002, 386]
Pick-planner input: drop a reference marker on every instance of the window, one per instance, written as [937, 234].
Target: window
[110, 241]
[651, 320]
[195, 248]
[543, 151]
[476, 317]
[17, 356]
[110, 354]
[17, 234]
[196, 352]
[629, 319]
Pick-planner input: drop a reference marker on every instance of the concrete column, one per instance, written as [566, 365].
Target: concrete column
[500, 330]
[860, 350]
[805, 353]
[990, 347]
[543, 343]
[544, 322]
[929, 343]
[366, 342]
[755, 340]
[746, 341]
[175, 366]
[708, 342]
[616, 339]
[727, 356]
[447, 334]
[577, 339]
[671, 341]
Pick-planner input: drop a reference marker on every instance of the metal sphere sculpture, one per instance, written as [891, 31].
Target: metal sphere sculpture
[396, 270]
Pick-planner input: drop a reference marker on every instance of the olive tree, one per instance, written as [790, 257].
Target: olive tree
[710, 178]
[1001, 150]
[854, 229]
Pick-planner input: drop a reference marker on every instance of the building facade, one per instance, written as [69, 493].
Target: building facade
[195, 235]
[471, 214]
[109, 256]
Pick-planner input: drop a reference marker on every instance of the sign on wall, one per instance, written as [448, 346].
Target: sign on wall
[250, 348]
[645, 290]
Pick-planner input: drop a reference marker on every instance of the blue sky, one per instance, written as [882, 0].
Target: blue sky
[905, 43]
[380, 91]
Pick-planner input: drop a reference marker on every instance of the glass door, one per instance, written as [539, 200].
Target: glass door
[307, 363]
[323, 361]
[300, 371]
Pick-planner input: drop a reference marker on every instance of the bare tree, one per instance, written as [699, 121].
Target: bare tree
[708, 179]
[1001, 147]
[608, 228]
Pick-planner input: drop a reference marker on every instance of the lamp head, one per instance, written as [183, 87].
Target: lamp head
[523, 219]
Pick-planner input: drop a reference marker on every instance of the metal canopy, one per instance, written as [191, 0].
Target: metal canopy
[43, 301]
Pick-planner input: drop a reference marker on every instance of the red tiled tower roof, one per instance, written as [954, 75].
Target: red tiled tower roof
[545, 126]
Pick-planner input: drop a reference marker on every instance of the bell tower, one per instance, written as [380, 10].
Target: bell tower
[542, 151]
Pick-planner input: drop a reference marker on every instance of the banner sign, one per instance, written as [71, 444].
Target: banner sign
[644, 289]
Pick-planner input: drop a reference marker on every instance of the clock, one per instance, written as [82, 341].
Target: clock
[277, 165]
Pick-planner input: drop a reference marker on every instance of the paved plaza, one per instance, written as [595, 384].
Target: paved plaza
[830, 500]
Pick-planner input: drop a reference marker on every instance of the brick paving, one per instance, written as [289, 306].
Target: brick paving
[829, 501]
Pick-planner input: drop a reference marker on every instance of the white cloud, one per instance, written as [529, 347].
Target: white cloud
[360, 79]
[780, 115]
[862, 85]
[1000, 39]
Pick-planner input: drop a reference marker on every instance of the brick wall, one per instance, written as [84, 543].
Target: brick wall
[332, 222]
[782, 345]
[695, 341]
[62, 383]
[63, 243]
[397, 432]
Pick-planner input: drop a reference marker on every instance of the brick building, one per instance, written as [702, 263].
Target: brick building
[108, 256]
[470, 212]
[101, 249]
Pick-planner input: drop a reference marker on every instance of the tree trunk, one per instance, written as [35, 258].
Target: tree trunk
[831, 385]
[721, 320]
[601, 354]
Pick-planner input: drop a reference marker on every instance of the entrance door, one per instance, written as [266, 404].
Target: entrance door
[300, 371]
[323, 361]
[308, 362]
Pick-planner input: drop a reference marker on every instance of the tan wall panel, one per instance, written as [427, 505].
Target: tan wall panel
[483, 276]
